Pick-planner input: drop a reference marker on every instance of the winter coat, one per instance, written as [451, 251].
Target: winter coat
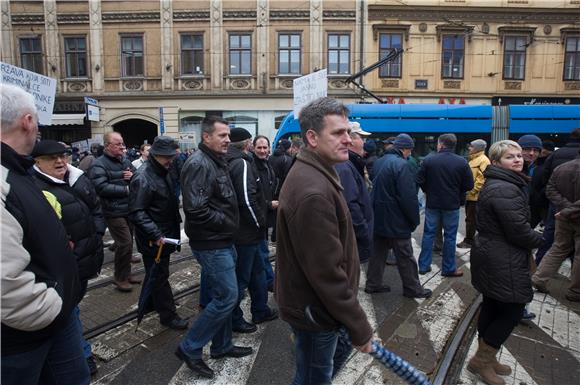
[251, 202]
[317, 260]
[40, 285]
[209, 201]
[445, 177]
[478, 162]
[268, 186]
[107, 177]
[153, 208]
[359, 204]
[501, 253]
[81, 215]
[560, 156]
[281, 163]
[394, 196]
[564, 190]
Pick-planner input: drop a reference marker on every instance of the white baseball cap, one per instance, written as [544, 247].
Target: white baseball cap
[356, 129]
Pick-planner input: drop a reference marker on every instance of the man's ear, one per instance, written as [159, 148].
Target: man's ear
[312, 138]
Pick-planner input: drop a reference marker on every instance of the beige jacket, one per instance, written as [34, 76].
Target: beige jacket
[478, 162]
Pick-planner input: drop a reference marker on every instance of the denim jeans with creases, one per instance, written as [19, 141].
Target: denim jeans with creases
[265, 253]
[450, 223]
[252, 276]
[215, 321]
[59, 360]
[319, 355]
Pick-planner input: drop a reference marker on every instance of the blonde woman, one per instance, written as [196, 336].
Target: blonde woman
[500, 256]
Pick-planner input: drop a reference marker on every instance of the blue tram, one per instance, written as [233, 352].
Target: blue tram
[426, 121]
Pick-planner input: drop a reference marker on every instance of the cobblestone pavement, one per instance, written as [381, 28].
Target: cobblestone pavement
[544, 352]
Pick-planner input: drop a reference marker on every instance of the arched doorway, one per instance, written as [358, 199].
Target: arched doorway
[136, 131]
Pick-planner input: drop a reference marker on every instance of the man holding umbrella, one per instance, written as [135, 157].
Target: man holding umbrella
[154, 210]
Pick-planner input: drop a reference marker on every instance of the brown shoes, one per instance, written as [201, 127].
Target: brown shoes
[123, 286]
[453, 274]
[134, 280]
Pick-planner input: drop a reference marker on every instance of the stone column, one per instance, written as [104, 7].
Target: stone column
[262, 38]
[96, 44]
[167, 62]
[51, 43]
[217, 44]
[316, 35]
[6, 51]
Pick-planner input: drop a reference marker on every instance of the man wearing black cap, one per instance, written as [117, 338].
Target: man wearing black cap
[250, 270]
[211, 220]
[154, 211]
[396, 209]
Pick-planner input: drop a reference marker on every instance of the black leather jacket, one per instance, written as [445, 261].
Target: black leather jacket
[107, 177]
[251, 202]
[209, 201]
[81, 216]
[153, 207]
[268, 186]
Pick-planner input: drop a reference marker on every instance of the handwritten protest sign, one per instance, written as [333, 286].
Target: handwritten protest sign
[41, 87]
[308, 88]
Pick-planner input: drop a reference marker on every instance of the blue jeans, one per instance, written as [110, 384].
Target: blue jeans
[215, 321]
[265, 253]
[251, 275]
[59, 360]
[450, 223]
[319, 355]
[87, 350]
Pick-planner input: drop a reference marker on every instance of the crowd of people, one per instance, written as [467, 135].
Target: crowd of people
[327, 199]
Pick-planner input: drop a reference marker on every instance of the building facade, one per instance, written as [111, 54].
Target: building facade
[238, 59]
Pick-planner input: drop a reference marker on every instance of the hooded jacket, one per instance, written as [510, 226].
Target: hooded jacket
[478, 162]
[81, 215]
[251, 202]
[500, 255]
[40, 285]
[317, 259]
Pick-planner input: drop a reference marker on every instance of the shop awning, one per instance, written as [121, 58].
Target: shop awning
[68, 119]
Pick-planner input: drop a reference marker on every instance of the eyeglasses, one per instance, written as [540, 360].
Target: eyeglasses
[117, 144]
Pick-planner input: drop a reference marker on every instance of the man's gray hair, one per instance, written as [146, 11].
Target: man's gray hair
[448, 141]
[15, 103]
[313, 114]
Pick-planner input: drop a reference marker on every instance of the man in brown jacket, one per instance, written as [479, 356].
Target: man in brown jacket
[317, 263]
[564, 193]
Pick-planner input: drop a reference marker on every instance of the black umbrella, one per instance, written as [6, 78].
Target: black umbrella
[147, 288]
[389, 359]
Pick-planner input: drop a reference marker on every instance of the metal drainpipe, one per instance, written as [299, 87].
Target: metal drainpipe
[362, 37]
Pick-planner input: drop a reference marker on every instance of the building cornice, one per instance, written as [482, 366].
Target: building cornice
[72, 18]
[473, 14]
[27, 18]
[190, 15]
[130, 17]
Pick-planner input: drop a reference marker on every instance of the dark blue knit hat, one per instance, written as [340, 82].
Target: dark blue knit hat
[370, 146]
[530, 141]
[403, 141]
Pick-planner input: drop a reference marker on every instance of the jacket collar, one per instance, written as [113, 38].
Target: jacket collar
[313, 159]
[14, 161]
[217, 158]
[446, 150]
[48, 177]
[476, 155]
[496, 172]
[156, 167]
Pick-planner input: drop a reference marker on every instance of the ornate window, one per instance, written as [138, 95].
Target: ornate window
[572, 58]
[452, 56]
[338, 53]
[387, 43]
[192, 54]
[514, 57]
[289, 53]
[240, 54]
[31, 54]
[132, 56]
[75, 50]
